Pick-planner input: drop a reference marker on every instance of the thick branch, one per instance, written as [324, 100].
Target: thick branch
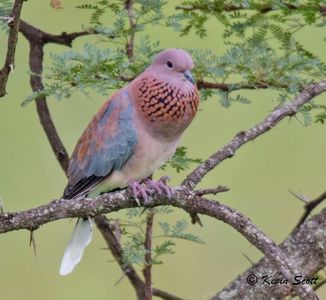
[305, 248]
[37, 39]
[148, 256]
[36, 67]
[33, 34]
[243, 137]
[13, 22]
[182, 198]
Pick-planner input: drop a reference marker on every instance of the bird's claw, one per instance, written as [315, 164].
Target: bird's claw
[138, 190]
[159, 186]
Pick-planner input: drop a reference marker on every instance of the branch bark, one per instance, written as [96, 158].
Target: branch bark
[132, 24]
[243, 137]
[11, 46]
[228, 87]
[148, 256]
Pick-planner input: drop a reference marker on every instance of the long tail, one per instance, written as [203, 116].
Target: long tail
[81, 237]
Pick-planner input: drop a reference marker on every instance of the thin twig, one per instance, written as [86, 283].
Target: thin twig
[132, 24]
[309, 207]
[212, 191]
[202, 84]
[165, 295]
[243, 137]
[147, 271]
[9, 63]
[207, 7]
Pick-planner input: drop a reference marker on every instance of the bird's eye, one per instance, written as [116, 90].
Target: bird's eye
[169, 64]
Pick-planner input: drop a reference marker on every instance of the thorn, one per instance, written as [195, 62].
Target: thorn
[32, 241]
[300, 122]
[1, 206]
[120, 279]
[12, 67]
[137, 201]
[90, 223]
[116, 229]
[302, 197]
[195, 219]
[142, 212]
[247, 257]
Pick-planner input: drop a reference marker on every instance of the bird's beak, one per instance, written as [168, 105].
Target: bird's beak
[188, 76]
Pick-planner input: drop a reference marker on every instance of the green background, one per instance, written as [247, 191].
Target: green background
[289, 157]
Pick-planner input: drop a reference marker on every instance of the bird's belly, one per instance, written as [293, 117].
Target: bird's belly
[149, 155]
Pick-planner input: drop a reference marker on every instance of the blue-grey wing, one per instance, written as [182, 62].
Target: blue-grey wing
[106, 145]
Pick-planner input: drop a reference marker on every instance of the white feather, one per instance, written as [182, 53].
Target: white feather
[81, 237]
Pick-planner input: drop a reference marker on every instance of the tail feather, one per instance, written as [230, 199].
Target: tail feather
[81, 237]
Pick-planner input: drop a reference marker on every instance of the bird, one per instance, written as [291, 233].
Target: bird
[133, 134]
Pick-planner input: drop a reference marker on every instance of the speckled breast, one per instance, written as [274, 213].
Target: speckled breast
[168, 109]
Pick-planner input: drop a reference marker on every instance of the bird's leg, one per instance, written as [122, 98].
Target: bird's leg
[159, 186]
[138, 190]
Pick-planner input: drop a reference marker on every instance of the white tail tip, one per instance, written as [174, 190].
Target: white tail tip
[81, 237]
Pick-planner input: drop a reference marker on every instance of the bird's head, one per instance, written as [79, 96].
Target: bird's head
[175, 64]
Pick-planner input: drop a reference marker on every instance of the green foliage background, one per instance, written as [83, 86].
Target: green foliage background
[289, 157]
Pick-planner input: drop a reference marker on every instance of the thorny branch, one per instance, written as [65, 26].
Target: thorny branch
[181, 197]
[310, 206]
[148, 255]
[304, 247]
[243, 137]
[9, 65]
[227, 87]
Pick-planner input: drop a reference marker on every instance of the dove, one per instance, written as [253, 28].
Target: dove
[133, 134]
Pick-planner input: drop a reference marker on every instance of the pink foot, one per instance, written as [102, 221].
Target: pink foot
[138, 190]
[159, 186]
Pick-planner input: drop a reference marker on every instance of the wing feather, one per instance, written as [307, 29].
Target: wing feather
[106, 145]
